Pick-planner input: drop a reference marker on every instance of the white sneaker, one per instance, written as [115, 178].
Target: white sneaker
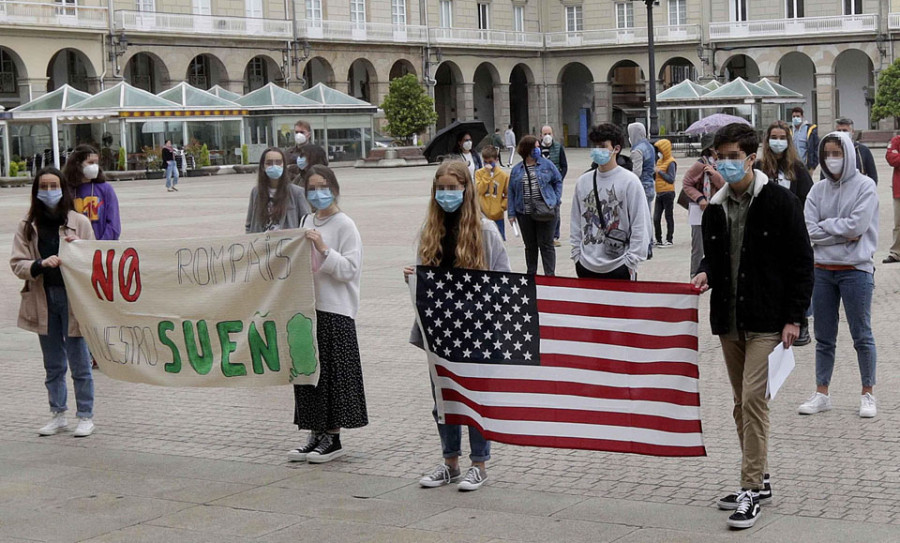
[57, 424]
[85, 427]
[867, 406]
[816, 403]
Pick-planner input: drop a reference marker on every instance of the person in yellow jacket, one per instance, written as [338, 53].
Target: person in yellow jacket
[491, 184]
[665, 193]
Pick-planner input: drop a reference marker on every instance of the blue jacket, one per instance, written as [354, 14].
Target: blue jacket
[549, 181]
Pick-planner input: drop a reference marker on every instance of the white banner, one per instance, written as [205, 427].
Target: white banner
[206, 312]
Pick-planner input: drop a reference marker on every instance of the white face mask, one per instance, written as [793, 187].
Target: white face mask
[467, 145]
[300, 138]
[835, 166]
[548, 140]
[90, 171]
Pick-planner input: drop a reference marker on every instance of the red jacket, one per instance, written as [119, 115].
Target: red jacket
[893, 158]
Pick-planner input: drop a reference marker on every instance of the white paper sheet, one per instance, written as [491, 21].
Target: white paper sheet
[781, 364]
[516, 228]
[695, 215]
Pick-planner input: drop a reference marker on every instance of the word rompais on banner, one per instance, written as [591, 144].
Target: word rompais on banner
[211, 312]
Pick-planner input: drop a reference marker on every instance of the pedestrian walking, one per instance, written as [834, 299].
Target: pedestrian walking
[339, 399]
[464, 150]
[455, 235]
[554, 151]
[643, 164]
[94, 197]
[509, 138]
[758, 263]
[44, 307]
[497, 143]
[865, 162]
[666, 168]
[893, 159]
[806, 139]
[535, 189]
[842, 219]
[700, 183]
[610, 221]
[492, 184]
[275, 203]
[168, 157]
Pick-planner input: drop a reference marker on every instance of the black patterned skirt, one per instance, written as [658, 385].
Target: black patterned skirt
[339, 400]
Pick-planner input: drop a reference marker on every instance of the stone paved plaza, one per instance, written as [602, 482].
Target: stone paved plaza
[209, 464]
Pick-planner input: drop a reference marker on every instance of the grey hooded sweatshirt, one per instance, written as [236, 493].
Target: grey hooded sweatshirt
[842, 213]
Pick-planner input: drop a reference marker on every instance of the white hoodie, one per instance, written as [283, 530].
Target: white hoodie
[842, 214]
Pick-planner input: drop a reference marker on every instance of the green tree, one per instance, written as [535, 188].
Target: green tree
[887, 99]
[409, 110]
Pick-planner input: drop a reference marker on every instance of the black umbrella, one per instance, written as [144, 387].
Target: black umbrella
[444, 142]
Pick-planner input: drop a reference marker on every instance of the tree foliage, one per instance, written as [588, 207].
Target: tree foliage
[887, 99]
[409, 110]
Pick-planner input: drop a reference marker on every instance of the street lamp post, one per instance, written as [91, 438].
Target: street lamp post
[654, 116]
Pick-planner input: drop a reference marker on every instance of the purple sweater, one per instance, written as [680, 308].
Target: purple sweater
[98, 202]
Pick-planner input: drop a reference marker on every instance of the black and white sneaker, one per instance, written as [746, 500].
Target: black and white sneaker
[299, 454]
[748, 510]
[730, 502]
[327, 450]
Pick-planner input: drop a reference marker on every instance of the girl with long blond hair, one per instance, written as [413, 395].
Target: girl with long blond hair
[455, 235]
[781, 163]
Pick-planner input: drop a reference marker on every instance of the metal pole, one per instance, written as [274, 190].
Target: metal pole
[654, 116]
[54, 140]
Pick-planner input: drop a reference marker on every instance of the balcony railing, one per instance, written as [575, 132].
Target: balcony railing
[894, 21]
[494, 38]
[786, 28]
[52, 14]
[186, 23]
[351, 31]
[623, 36]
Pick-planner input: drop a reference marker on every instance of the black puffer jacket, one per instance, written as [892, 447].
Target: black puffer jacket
[776, 270]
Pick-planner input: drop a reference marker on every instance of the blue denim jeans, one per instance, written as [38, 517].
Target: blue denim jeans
[854, 288]
[61, 352]
[171, 173]
[501, 226]
[451, 441]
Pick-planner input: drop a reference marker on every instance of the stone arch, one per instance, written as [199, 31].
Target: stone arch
[486, 81]
[261, 70]
[318, 70]
[71, 67]
[400, 68]
[206, 70]
[145, 70]
[448, 85]
[12, 72]
[628, 92]
[797, 71]
[674, 71]
[576, 84]
[521, 80]
[740, 65]
[362, 80]
[854, 87]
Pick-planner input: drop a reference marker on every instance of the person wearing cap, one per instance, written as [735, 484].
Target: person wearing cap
[700, 183]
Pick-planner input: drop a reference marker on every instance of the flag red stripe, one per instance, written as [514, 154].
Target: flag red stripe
[579, 442]
[662, 314]
[649, 287]
[526, 386]
[621, 339]
[684, 369]
[575, 416]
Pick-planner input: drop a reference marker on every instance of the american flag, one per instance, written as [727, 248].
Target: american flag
[570, 363]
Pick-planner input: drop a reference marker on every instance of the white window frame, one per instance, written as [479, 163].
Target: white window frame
[254, 9]
[445, 15]
[314, 11]
[398, 12]
[358, 13]
[794, 9]
[519, 18]
[67, 7]
[201, 7]
[624, 15]
[851, 5]
[678, 12]
[738, 10]
[575, 18]
[146, 6]
[483, 11]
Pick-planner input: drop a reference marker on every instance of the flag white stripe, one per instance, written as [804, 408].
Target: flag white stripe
[617, 352]
[573, 375]
[577, 430]
[612, 297]
[635, 326]
[563, 401]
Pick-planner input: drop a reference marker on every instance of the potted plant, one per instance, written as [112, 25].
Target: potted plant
[153, 157]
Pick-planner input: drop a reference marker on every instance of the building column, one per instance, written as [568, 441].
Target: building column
[535, 108]
[381, 92]
[32, 88]
[602, 112]
[234, 85]
[825, 83]
[551, 115]
[465, 101]
[501, 106]
[93, 85]
[295, 86]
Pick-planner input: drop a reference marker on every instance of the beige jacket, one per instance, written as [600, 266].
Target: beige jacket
[33, 313]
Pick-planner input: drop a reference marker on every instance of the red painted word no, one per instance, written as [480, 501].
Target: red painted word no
[129, 275]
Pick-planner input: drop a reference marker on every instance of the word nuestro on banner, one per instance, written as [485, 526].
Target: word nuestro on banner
[234, 311]
[569, 363]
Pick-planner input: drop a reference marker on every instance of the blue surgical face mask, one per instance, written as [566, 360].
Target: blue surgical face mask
[449, 200]
[320, 198]
[732, 171]
[274, 172]
[301, 162]
[50, 198]
[778, 146]
[601, 156]
[797, 121]
[536, 153]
